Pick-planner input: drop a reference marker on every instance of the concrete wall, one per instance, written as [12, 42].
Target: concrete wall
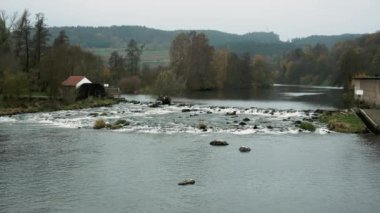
[371, 90]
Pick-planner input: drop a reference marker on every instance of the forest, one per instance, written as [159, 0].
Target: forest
[35, 59]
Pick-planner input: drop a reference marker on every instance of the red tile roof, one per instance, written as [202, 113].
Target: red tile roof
[72, 81]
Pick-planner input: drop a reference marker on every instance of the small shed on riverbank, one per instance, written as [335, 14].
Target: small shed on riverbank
[70, 86]
[367, 89]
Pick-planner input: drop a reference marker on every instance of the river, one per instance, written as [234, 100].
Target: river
[55, 162]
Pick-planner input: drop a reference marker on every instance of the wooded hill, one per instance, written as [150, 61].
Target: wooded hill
[266, 43]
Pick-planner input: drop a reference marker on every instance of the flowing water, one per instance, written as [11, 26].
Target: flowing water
[56, 162]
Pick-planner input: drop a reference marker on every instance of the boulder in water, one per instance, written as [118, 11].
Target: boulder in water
[246, 119]
[185, 110]
[244, 149]
[231, 113]
[122, 122]
[218, 143]
[165, 100]
[202, 126]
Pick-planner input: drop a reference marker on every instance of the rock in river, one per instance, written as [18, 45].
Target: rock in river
[187, 182]
[165, 100]
[231, 113]
[244, 149]
[218, 143]
[202, 126]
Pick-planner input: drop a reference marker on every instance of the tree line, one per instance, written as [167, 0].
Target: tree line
[194, 65]
[319, 65]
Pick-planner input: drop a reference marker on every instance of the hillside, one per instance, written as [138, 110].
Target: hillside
[104, 40]
[118, 36]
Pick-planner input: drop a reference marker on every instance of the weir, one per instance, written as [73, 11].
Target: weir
[371, 118]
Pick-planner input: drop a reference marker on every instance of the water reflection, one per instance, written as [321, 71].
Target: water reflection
[279, 96]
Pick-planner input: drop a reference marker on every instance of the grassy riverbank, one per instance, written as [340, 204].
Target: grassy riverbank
[31, 105]
[345, 122]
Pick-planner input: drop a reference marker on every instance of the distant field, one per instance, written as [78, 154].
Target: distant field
[152, 58]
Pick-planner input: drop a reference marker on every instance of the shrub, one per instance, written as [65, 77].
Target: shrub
[130, 84]
[99, 124]
[15, 84]
[307, 126]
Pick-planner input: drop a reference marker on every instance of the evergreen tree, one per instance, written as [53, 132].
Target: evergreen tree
[40, 38]
[22, 40]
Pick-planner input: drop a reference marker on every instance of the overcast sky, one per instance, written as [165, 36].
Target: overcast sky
[288, 18]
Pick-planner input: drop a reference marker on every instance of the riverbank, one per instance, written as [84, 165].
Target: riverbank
[343, 121]
[33, 105]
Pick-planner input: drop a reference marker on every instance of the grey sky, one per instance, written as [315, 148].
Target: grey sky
[288, 18]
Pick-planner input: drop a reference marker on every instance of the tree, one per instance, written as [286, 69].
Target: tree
[166, 84]
[262, 74]
[233, 72]
[178, 54]
[21, 37]
[134, 52]
[61, 40]
[40, 38]
[5, 44]
[375, 62]
[116, 63]
[349, 64]
[245, 71]
[191, 58]
[219, 65]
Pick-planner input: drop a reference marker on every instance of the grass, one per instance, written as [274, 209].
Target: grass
[25, 105]
[345, 122]
[90, 103]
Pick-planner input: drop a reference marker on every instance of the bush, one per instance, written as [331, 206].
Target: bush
[307, 126]
[99, 124]
[130, 84]
[15, 84]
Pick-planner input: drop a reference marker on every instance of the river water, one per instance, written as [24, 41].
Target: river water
[56, 162]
